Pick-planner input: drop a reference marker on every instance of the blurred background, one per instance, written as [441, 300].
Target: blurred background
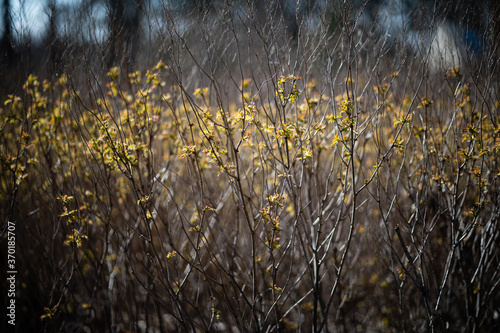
[50, 36]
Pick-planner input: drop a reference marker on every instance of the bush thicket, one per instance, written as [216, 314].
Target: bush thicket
[261, 176]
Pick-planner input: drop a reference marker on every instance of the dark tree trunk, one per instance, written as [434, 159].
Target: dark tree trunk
[124, 21]
[6, 43]
[52, 41]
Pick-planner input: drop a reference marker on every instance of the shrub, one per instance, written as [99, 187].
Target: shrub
[337, 191]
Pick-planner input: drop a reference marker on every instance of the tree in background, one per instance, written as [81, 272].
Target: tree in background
[6, 43]
[124, 25]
